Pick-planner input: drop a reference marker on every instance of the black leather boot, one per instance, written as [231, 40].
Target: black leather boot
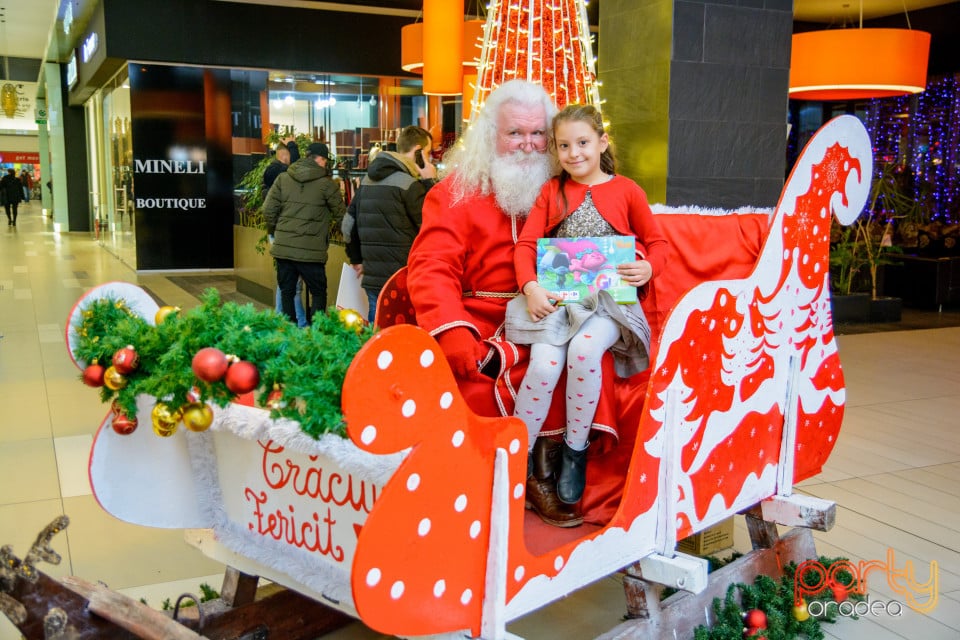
[573, 474]
[541, 496]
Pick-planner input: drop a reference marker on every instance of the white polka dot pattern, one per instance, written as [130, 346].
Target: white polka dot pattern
[413, 481]
[424, 527]
[426, 358]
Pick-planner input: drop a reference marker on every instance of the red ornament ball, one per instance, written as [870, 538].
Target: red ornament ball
[210, 364]
[242, 377]
[93, 375]
[123, 424]
[275, 399]
[126, 360]
[755, 619]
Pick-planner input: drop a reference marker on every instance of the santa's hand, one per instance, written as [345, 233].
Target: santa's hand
[636, 274]
[463, 351]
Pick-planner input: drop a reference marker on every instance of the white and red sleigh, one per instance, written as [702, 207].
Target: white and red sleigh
[416, 525]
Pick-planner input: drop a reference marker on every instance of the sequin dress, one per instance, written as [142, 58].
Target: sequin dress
[631, 351]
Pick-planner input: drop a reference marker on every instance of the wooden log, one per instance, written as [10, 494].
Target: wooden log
[800, 511]
[283, 614]
[642, 597]
[680, 614]
[275, 611]
[763, 534]
[46, 593]
[128, 613]
[238, 588]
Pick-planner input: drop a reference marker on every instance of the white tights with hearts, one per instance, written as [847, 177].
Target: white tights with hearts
[582, 359]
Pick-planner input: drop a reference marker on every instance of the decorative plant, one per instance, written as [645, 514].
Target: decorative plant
[847, 258]
[251, 202]
[251, 183]
[868, 244]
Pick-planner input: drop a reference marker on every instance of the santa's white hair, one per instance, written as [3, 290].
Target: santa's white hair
[473, 159]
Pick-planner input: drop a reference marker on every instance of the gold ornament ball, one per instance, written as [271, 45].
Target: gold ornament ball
[163, 312]
[351, 319]
[800, 612]
[163, 416]
[197, 416]
[164, 431]
[113, 379]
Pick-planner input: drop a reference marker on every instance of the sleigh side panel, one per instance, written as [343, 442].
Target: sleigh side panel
[733, 350]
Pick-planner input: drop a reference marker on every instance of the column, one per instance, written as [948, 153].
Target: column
[696, 93]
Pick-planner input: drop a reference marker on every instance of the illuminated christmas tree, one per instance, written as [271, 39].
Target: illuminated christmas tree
[546, 41]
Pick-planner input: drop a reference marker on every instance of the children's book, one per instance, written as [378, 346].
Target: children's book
[576, 268]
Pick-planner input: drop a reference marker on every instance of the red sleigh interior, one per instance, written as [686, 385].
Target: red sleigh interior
[704, 246]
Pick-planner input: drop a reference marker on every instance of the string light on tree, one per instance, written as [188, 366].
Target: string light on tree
[545, 41]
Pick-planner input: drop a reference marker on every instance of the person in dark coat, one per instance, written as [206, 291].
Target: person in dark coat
[301, 207]
[385, 215]
[11, 194]
[27, 181]
[286, 153]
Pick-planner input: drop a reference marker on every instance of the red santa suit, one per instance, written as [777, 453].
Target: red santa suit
[461, 274]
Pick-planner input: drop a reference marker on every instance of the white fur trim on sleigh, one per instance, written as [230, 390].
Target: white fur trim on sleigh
[255, 424]
[704, 211]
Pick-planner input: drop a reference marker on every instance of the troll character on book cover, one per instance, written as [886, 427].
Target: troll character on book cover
[576, 268]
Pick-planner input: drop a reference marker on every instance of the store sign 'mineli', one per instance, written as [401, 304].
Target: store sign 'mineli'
[89, 47]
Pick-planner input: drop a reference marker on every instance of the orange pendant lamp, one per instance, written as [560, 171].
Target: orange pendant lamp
[411, 48]
[442, 47]
[851, 64]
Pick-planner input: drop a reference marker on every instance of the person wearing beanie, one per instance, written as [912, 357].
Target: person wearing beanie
[286, 153]
[301, 207]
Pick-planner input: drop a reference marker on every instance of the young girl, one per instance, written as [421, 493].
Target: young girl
[587, 199]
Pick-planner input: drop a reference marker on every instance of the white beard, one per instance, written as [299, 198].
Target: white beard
[517, 179]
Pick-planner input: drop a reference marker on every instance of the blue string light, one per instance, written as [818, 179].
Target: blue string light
[920, 134]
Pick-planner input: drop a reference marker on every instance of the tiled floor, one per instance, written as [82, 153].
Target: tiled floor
[895, 472]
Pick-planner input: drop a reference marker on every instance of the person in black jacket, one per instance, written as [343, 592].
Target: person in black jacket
[286, 153]
[11, 193]
[385, 214]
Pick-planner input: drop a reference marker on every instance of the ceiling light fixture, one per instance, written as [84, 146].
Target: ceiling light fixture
[852, 64]
[413, 50]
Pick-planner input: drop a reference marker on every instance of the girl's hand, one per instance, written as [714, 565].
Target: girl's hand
[539, 303]
[636, 274]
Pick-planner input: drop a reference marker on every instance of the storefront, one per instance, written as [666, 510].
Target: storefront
[174, 114]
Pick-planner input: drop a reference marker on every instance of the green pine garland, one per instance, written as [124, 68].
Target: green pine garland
[307, 365]
[776, 599]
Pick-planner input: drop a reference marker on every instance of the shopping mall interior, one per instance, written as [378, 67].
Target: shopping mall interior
[147, 81]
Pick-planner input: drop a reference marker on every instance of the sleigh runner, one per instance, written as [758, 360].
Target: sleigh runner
[416, 524]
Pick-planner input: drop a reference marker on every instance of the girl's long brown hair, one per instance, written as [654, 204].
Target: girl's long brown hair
[608, 161]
